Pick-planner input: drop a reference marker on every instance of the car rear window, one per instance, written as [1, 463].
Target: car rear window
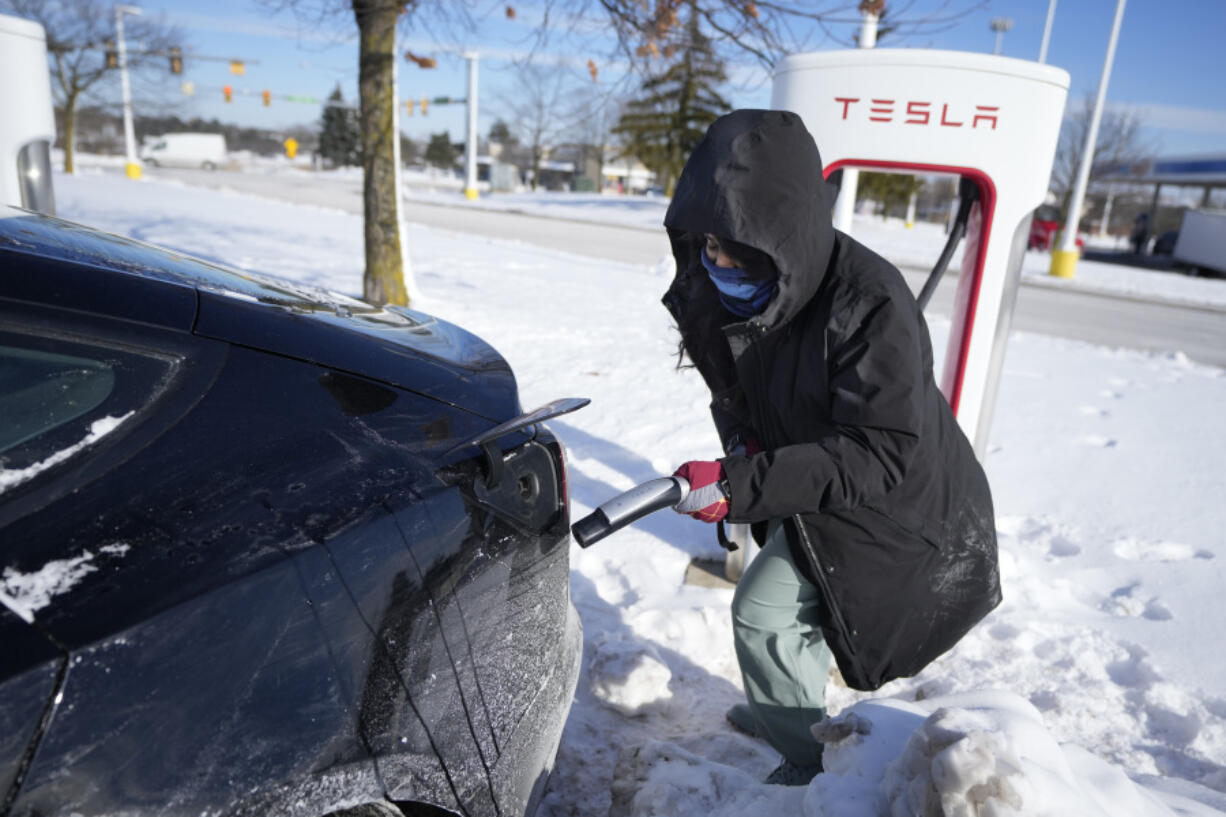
[62, 391]
[40, 391]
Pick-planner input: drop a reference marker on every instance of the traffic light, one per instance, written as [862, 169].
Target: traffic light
[408, 106]
[425, 103]
[237, 67]
[176, 60]
[112, 54]
[228, 91]
[267, 98]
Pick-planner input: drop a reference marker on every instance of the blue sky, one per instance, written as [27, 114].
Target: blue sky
[1169, 66]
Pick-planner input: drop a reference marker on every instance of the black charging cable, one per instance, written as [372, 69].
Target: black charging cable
[968, 194]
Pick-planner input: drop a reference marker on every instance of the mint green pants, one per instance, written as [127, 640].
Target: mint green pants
[783, 658]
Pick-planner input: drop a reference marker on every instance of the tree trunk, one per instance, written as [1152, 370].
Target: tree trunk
[383, 281]
[70, 133]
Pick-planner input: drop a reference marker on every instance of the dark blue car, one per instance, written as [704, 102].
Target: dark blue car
[264, 549]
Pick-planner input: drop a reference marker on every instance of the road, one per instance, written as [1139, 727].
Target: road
[1109, 320]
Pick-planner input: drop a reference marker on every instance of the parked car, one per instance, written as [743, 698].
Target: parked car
[1200, 243]
[265, 549]
[203, 150]
[1044, 226]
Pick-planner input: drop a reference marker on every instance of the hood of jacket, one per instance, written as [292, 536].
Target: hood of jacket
[756, 178]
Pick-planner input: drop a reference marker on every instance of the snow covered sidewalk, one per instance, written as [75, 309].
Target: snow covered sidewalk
[1098, 686]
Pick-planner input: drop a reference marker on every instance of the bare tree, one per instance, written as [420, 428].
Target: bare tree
[540, 111]
[383, 281]
[377, 22]
[78, 32]
[595, 115]
[1121, 145]
[766, 29]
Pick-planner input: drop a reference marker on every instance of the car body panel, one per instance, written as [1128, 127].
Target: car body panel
[29, 668]
[292, 609]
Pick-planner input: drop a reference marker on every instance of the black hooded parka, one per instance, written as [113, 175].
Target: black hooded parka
[886, 508]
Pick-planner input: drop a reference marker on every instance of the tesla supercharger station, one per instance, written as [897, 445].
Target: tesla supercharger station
[992, 120]
[27, 123]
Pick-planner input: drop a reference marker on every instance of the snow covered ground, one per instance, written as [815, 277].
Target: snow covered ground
[1098, 686]
[916, 246]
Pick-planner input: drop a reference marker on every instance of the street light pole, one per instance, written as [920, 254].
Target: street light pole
[129, 135]
[1064, 260]
[1000, 25]
[470, 158]
[1051, 14]
[845, 205]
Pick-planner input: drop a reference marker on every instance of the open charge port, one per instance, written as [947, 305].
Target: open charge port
[527, 491]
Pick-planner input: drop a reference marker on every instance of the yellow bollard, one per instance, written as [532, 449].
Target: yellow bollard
[470, 193]
[133, 170]
[1064, 263]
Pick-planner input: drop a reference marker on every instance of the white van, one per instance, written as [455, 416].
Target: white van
[203, 150]
[27, 121]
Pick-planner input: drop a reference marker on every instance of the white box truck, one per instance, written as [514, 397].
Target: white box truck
[1202, 240]
[27, 121]
[203, 150]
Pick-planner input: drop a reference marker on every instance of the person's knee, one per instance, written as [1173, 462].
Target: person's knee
[754, 614]
[744, 624]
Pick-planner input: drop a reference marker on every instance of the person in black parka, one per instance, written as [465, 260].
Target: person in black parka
[880, 542]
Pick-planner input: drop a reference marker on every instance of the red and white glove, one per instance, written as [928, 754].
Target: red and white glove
[708, 499]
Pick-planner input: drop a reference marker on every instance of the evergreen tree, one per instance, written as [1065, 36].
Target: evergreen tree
[891, 191]
[440, 152]
[664, 126]
[340, 140]
[500, 132]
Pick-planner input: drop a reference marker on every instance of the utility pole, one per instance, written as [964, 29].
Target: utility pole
[1051, 15]
[1000, 25]
[470, 157]
[845, 206]
[129, 135]
[1105, 223]
[1064, 260]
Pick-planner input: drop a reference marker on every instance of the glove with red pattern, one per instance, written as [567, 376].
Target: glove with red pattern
[708, 498]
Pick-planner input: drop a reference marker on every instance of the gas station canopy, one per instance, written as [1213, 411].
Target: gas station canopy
[1192, 171]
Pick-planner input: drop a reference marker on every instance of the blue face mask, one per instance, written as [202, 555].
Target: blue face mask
[739, 292]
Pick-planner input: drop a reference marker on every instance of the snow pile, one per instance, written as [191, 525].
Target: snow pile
[983, 754]
[662, 779]
[979, 754]
[629, 676]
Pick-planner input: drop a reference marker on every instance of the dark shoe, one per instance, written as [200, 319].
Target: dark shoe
[792, 774]
[740, 716]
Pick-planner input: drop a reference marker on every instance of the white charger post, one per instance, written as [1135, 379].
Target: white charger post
[993, 120]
